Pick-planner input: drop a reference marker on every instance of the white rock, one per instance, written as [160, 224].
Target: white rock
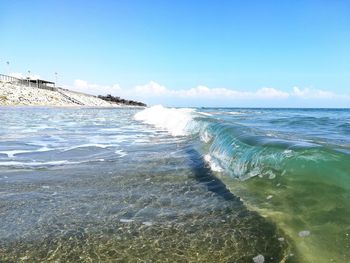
[304, 233]
[124, 220]
[259, 259]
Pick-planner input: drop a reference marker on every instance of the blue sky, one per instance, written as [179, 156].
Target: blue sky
[186, 53]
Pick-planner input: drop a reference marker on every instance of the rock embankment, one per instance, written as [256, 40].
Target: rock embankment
[118, 100]
[11, 94]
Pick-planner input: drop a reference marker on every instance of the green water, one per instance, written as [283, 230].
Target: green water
[309, 196]
[308, 200]
[292, 167]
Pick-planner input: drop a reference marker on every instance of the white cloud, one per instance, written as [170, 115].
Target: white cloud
[152, 88]
[17, 75]
[81, 83]
[205, 92]
[95, 89]
[271, 93]
[308, 93]
[155, 89]
[154, 92]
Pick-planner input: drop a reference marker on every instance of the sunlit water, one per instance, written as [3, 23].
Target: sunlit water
[174, 185]
[293, 167]
[89, 185]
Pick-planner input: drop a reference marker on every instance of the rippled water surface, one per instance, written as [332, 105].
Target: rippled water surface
[89, 185]
[290, 165]
[174, 185]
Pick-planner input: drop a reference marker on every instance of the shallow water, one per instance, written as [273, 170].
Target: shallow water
[87, 185]
[183, 185]
[292, 166]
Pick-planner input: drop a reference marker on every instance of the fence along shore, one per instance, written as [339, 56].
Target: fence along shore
[38, 83]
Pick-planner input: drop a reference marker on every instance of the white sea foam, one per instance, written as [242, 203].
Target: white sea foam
[205, 113]
[214, 166]
[103, 146]
[235, 113]
[12, 153]
[173, 120]
[288, 153]
[205, 137]
[121, 153]
[36, 164]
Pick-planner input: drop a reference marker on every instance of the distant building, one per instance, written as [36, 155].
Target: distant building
[41, 84]
[38, 83]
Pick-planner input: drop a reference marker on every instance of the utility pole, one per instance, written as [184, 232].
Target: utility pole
[56, 84]
[8, 67]
[28, 78]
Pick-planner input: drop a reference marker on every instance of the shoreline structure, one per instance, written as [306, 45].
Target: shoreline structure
[29, 92]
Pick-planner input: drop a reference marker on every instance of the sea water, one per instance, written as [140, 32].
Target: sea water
[174, 185]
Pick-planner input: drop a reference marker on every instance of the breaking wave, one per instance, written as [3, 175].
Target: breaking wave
[237, 150]
[175, 121]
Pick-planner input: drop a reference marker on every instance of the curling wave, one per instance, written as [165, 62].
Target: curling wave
[238, 150]
[291, 165]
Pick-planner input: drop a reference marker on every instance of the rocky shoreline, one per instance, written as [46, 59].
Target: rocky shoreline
[118, 100]
[20, 95]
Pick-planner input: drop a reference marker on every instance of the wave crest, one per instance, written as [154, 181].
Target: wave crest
[175, 121]
[238, 150]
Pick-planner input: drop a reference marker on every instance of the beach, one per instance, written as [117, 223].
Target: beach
[21, 95]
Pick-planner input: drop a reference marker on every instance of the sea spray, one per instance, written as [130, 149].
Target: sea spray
[175, 121]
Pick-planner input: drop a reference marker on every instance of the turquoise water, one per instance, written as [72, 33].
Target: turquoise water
[174, 185]
[293, 167]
